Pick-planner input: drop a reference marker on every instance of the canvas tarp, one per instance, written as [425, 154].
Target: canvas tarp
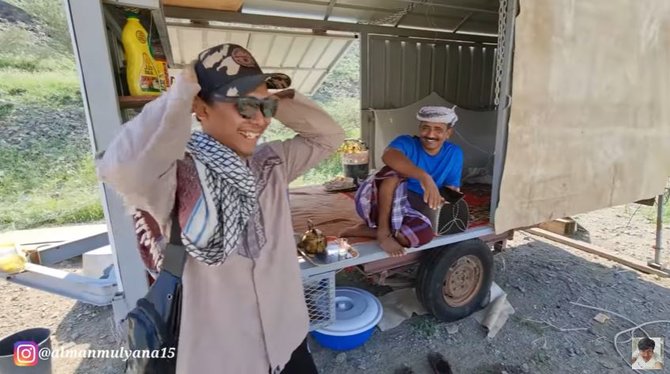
[590, 117]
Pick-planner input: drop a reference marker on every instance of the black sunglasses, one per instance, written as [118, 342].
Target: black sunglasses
[248, 106]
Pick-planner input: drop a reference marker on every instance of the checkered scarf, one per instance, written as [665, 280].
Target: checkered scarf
[232, 186]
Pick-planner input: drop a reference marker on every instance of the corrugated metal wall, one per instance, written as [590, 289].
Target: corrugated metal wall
[402, 71]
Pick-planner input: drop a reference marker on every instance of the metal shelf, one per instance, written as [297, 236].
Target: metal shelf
[371, 251]
[144, 4]
[152, 18]
[127, 102]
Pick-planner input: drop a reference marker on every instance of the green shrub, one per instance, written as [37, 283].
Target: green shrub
[48, 88]
[38, 189]
[6, 109]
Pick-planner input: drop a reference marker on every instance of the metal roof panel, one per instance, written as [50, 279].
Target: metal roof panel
[307, 58]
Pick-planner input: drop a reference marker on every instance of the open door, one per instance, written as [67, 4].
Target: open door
[590, 118]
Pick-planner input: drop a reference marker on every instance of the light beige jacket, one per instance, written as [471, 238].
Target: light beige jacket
[243, 316]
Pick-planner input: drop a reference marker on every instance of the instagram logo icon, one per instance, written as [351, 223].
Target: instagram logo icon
[25, 353]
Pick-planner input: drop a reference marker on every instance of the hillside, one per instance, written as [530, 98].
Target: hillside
[14, 15]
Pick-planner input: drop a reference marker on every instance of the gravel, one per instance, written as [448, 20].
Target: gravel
[540, 277]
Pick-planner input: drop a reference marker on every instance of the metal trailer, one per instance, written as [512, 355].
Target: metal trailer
[455, 274]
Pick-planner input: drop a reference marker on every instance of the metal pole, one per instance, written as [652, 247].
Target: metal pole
[98, 90]
[659, 231]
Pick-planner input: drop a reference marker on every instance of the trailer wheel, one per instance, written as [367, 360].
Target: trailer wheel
[422, 273]
[454, 281]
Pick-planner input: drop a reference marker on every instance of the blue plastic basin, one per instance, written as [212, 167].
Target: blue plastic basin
[357, 312]
[342, 343]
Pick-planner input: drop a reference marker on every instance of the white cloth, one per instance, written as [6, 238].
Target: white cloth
[642, 364]
[494, 316]
[399, 305]
[438, 114]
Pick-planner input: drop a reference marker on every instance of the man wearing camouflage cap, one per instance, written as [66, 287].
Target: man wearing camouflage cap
[422, 164]
[243, 308]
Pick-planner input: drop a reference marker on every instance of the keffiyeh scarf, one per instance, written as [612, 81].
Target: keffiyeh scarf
[231, 185]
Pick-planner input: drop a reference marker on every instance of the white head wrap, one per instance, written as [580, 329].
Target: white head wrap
[439, 114]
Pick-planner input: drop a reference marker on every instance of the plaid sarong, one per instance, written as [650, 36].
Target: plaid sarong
[404, 219]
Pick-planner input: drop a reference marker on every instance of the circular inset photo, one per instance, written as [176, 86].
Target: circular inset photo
[647, 353]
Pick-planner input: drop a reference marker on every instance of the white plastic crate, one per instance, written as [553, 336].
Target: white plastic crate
[320, 298]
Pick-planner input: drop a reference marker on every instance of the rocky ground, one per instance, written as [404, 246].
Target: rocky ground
[29, 126]
[541, 278]
[73, 325]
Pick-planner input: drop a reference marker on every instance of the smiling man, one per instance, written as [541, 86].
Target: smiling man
[243, 308]
[423, 164]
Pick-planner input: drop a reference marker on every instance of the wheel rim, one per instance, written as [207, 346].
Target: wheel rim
[463, 281]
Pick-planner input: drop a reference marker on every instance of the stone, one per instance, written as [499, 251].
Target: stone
[608, 364]
[602, 318]
[68, 345]
[452, 329]
[341, 358]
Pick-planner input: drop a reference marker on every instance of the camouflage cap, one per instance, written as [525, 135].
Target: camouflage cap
[229, 70]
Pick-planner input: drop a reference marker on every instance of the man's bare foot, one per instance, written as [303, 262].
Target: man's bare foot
[390, 245]
[360, 230]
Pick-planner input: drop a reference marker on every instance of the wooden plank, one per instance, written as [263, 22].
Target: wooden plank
[134, 101]
[598, 251]
[648, 202]
[562, 226]
[229, 5]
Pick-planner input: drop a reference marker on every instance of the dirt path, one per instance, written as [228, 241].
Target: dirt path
[629, 229]
[73, 325]
[540, 277]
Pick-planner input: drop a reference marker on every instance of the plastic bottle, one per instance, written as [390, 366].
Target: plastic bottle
[11, 258]
[141, 73]
[161, 63]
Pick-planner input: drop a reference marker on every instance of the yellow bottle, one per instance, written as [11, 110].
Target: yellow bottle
[141, 73]
[11, 259]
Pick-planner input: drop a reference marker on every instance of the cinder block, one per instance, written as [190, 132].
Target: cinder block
[96, 261]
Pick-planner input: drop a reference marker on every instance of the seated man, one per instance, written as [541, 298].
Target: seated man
[422, 164]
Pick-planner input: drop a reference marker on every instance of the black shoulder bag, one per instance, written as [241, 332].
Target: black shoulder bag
[153, 325]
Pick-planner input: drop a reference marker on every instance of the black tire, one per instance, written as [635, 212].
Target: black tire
[422, 272]
[454, 281]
